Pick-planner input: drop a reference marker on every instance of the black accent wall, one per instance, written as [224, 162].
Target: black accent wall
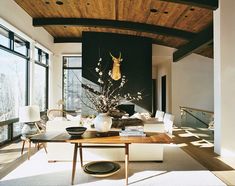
[136, 65]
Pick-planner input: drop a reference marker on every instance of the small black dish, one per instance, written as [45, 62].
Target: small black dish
[101, 168]
[76, 131]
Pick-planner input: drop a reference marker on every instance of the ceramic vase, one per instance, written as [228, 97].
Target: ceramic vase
[102, 122]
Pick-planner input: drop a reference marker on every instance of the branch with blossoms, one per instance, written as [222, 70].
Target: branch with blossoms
[108, 97]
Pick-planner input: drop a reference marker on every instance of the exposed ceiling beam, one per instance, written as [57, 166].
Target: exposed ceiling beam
[67, 40]
[126, 25]
[79, 40]
[204, 38]
[208, 4]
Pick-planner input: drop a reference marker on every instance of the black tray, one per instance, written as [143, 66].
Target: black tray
[101, 168]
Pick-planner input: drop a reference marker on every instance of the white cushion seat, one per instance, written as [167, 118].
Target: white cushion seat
[159, 115]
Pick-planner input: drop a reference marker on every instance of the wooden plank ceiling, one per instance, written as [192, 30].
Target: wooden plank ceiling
[154, 12]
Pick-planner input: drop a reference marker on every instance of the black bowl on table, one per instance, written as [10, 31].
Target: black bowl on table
[76, 131]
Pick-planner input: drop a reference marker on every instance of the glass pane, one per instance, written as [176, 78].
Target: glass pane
[75, 61]
[198, 123]
[3, 133]
[40, 86]
[44, 59]
[20, 45]
[12, 85]
[4, 40]
[72, 89]
[36, 56]
[17, 128]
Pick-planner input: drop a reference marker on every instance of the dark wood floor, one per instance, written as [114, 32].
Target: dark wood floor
[200, 150]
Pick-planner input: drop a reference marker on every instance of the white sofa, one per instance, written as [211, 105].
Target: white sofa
[138, 152]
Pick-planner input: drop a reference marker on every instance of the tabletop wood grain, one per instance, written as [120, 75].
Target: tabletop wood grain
[112, 137]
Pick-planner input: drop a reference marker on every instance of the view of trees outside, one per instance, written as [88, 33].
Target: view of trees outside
[4, 37]
[17, 128]
[20, 45]
[72, 82]
[12, 88]
[40, 86]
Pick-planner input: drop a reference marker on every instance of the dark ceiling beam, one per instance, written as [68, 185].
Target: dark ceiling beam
[125, 25]
[208, 4]
[79, 40]
[67, 40]
[204, 38]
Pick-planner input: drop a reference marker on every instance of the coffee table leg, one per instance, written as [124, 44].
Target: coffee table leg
[80, 152]
[126, 162]
[75, 151]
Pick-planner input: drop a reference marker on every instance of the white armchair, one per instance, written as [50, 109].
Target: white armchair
[168, 122]
[159, 115]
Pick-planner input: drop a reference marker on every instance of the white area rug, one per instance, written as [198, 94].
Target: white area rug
[178, 169]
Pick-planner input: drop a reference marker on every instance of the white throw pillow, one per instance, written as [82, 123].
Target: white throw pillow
[146, 115]
[59, 119]
[73, 118]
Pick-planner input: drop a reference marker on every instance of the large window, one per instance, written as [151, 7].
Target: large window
[12, 85]
[72, 72]
[41, 79]
[13, 82]
[4, 37]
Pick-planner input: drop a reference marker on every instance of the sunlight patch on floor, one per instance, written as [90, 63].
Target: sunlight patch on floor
[182, 145]
[188, 128]
[202, 143]
[188, 134]
[227, 176]
[230, 160]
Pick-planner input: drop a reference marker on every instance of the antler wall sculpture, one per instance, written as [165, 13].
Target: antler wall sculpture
[116, 72]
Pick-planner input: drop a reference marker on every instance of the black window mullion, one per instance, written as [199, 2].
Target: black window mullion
[27, 47]
[10, 131]
[41, 64]
[27, 100]
[47, 82]
[39, 55]
[47, 58]
[11, 40]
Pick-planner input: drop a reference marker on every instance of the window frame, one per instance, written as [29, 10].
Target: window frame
[68, 68]
[46, 66]
[11, 50]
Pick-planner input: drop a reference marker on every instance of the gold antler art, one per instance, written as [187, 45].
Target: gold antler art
[116, 72]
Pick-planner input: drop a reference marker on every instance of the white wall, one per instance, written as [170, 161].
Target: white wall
[164, 69]
[224, 39]
[192, 84]
[55, 86]
[162, 61]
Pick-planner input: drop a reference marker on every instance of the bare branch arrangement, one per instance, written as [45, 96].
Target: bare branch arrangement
[108, 96]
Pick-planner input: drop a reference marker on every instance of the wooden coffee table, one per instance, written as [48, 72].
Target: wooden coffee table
[104, 141]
